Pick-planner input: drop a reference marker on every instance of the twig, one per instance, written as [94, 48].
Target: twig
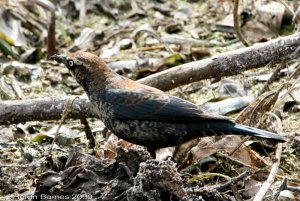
[16, 88]
[82, 12]
[64, 115]
[32, 164]
[293, 188]
[88, 133]
[155, 35]
[51, 42]
[281, 188]
[265, 187]
[179, 40]
[252, 110]
[271, 105]
[263, 190]
[134, 5]
[235, 160]
[272, 78]
[135, 10]
[232, 180]
[236, 23]
[208, 175]
[296, 18]
[235, 192]
[280, 101]
[284, 186]
[287, 7]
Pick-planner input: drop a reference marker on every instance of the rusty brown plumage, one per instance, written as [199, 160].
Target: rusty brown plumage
[145, 115]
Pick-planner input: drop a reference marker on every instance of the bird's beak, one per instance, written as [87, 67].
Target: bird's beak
[59, 58]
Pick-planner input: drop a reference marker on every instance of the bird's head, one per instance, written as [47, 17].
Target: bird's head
[84, 66]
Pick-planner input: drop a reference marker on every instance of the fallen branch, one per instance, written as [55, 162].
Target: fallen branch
[42, 109]
[230, 63]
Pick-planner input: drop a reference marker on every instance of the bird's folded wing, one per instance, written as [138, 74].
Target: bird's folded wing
[144, 105]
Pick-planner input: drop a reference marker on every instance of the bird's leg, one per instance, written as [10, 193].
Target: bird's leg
[126, 169]
[175, 151]
[179, 142]
[152, 151]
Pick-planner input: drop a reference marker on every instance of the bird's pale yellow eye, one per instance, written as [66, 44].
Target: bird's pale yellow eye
[71, 63]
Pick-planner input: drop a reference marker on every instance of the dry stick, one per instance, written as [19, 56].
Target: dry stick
[88, 133]
[51, 42]
[207, 175]
[135, 10]
[134, 5]
[232, 183]
[263, 190]
[32, 164]
[222, 65]
[294, 99]
[280, 101]
[156, 36]
[16, 88]
[293, 188]
[261, 104]
[65, 113]
[236, 193]
[274, 75]
[226, 64]
[287, 7]
[260, 122]
[236, 23]
[254, 112]
[82, 12]
[280, 188]
[43, 109]
[296, 19]
[235, 160]
[180, 40]
[224, 186]
[275, 96]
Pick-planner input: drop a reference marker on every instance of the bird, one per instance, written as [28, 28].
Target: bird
[145, 115]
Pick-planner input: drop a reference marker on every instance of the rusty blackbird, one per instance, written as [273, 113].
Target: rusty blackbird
[145, 115]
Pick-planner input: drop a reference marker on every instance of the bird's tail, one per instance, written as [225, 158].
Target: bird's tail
[246, 130]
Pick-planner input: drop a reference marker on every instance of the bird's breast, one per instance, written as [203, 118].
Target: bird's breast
[148, 133]
[103, 110]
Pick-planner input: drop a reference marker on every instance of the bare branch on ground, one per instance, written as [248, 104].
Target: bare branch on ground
[226, 64]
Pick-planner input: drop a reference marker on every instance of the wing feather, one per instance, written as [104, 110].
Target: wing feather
[144, 105]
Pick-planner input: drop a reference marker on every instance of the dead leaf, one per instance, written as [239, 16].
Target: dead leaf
[207, 147]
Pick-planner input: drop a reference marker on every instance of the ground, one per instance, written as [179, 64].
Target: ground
[117, 170]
